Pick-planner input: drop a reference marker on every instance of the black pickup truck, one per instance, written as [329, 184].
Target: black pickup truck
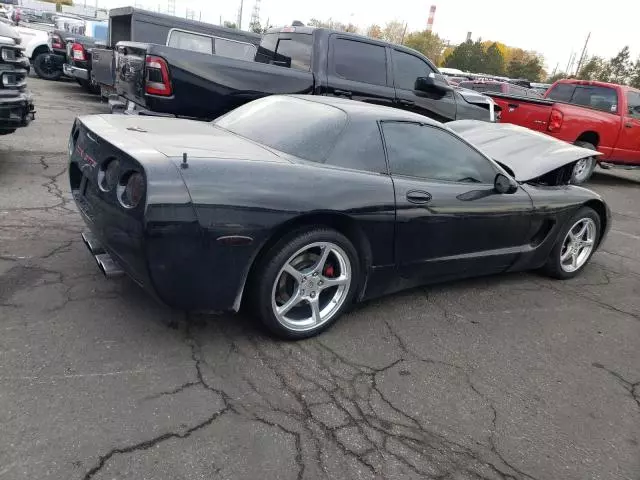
[157, 79]
[16, 103]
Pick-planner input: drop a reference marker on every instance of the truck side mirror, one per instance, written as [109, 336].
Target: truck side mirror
[433, 82]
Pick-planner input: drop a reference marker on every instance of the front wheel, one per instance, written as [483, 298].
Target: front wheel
[576, 245]
[46, 68]
[583, 169]
[306, 282]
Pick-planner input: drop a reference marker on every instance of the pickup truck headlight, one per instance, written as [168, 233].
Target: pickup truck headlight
[8, 55]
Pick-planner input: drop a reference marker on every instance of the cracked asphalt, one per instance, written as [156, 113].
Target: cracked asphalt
[509, 377]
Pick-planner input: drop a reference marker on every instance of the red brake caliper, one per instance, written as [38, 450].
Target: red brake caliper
[328, 271]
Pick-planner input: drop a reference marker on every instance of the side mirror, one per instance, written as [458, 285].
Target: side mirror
[505, 185]
[434, 82]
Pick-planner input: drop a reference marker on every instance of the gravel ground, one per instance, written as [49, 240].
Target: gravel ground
[510, 377]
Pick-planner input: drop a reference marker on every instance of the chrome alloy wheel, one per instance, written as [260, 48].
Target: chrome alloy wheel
[311, 286]
[582, 169]
[578, 245]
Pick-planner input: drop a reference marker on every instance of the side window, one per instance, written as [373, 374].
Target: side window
[562, 92]
[360, 61]
[433, 153]
[407, 68]
[191, 41]
[360, 149]
[295, 51]
[600, 98]
[232, 49]
[633, 99]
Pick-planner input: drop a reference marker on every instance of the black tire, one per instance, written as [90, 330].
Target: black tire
[45, 71]
[89, 87]
[268, 269]
[582, 171]
[553, 267]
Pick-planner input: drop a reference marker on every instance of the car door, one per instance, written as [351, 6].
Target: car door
[407, 68]
[450, 222]
[358, 70]
[628, 148]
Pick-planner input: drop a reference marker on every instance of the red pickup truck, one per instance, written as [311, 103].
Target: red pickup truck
[597, 115]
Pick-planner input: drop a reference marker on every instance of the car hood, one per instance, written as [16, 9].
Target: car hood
[174, 137]
[527, 153]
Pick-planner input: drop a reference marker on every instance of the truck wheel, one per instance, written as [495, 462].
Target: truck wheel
[583, 169]
[45, 68]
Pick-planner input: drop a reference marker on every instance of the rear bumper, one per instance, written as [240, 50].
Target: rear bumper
[75, 72]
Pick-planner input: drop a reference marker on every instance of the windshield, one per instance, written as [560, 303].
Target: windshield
[303, 128]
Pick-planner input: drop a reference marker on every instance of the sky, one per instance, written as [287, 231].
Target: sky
[553, 28]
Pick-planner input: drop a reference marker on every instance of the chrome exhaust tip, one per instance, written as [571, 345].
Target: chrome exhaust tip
[92, 243]
[108, 266]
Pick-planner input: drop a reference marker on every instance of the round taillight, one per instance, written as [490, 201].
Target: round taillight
[108, 175]
[131, 189]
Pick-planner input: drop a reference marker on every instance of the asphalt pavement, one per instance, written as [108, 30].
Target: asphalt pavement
[507, 377]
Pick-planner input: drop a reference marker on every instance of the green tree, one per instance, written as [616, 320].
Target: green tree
[427, 43]
[255, 27]
[530, 68]
[594, 69]
[494, 61]
[634, 79]
[394, 31]
[460, 57]
[374, 31]
[557, 76]
[229, 24]
[620, 66]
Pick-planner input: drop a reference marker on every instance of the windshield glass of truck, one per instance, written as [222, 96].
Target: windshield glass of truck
[292, 50]
[308, 130]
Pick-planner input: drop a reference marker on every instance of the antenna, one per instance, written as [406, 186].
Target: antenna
[255, 15]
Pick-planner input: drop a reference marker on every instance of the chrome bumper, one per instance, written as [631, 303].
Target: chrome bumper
[75, 72]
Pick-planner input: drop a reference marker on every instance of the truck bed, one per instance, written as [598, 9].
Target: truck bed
[203, 85]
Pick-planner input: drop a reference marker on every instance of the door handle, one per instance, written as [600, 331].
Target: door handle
[628, 125]
[406, 103]
[418, 196]
[344, 93]
[513, 106]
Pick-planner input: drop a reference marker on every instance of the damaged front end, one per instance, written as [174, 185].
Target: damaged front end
[530, 156]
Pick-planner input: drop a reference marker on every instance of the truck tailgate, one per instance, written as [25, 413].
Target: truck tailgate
[532, 113]
[103, 66]
[130, 72]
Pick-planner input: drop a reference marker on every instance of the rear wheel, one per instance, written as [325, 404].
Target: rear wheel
[577, 243]
[306, 282]
[46, 68]
[583, 169]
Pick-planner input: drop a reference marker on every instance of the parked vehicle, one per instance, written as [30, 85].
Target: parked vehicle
[541, 88]
[16, 103]
[317, 61]
[297, 206]
[508, 88]
[78, 54]
[48, 58]
[595, 115]
[135, 25]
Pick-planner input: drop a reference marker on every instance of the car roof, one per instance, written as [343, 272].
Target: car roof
[366, 110]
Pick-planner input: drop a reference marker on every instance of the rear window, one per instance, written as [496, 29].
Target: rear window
[233, 49]
[291, 50]
[562, 92]
[191, 41]
[481, 87]
[308, 130]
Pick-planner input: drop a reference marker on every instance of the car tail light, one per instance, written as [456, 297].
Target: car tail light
[555, 120]
[56, 42]
[157, 82]
[131, 189]
[78, 52]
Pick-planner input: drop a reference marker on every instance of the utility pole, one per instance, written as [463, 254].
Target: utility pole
[239, 24]
[255, 15]
[555, 70]
[404, 32]
[584, 51]
[570, 62]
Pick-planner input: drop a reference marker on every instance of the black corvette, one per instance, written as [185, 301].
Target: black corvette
[298, 206]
